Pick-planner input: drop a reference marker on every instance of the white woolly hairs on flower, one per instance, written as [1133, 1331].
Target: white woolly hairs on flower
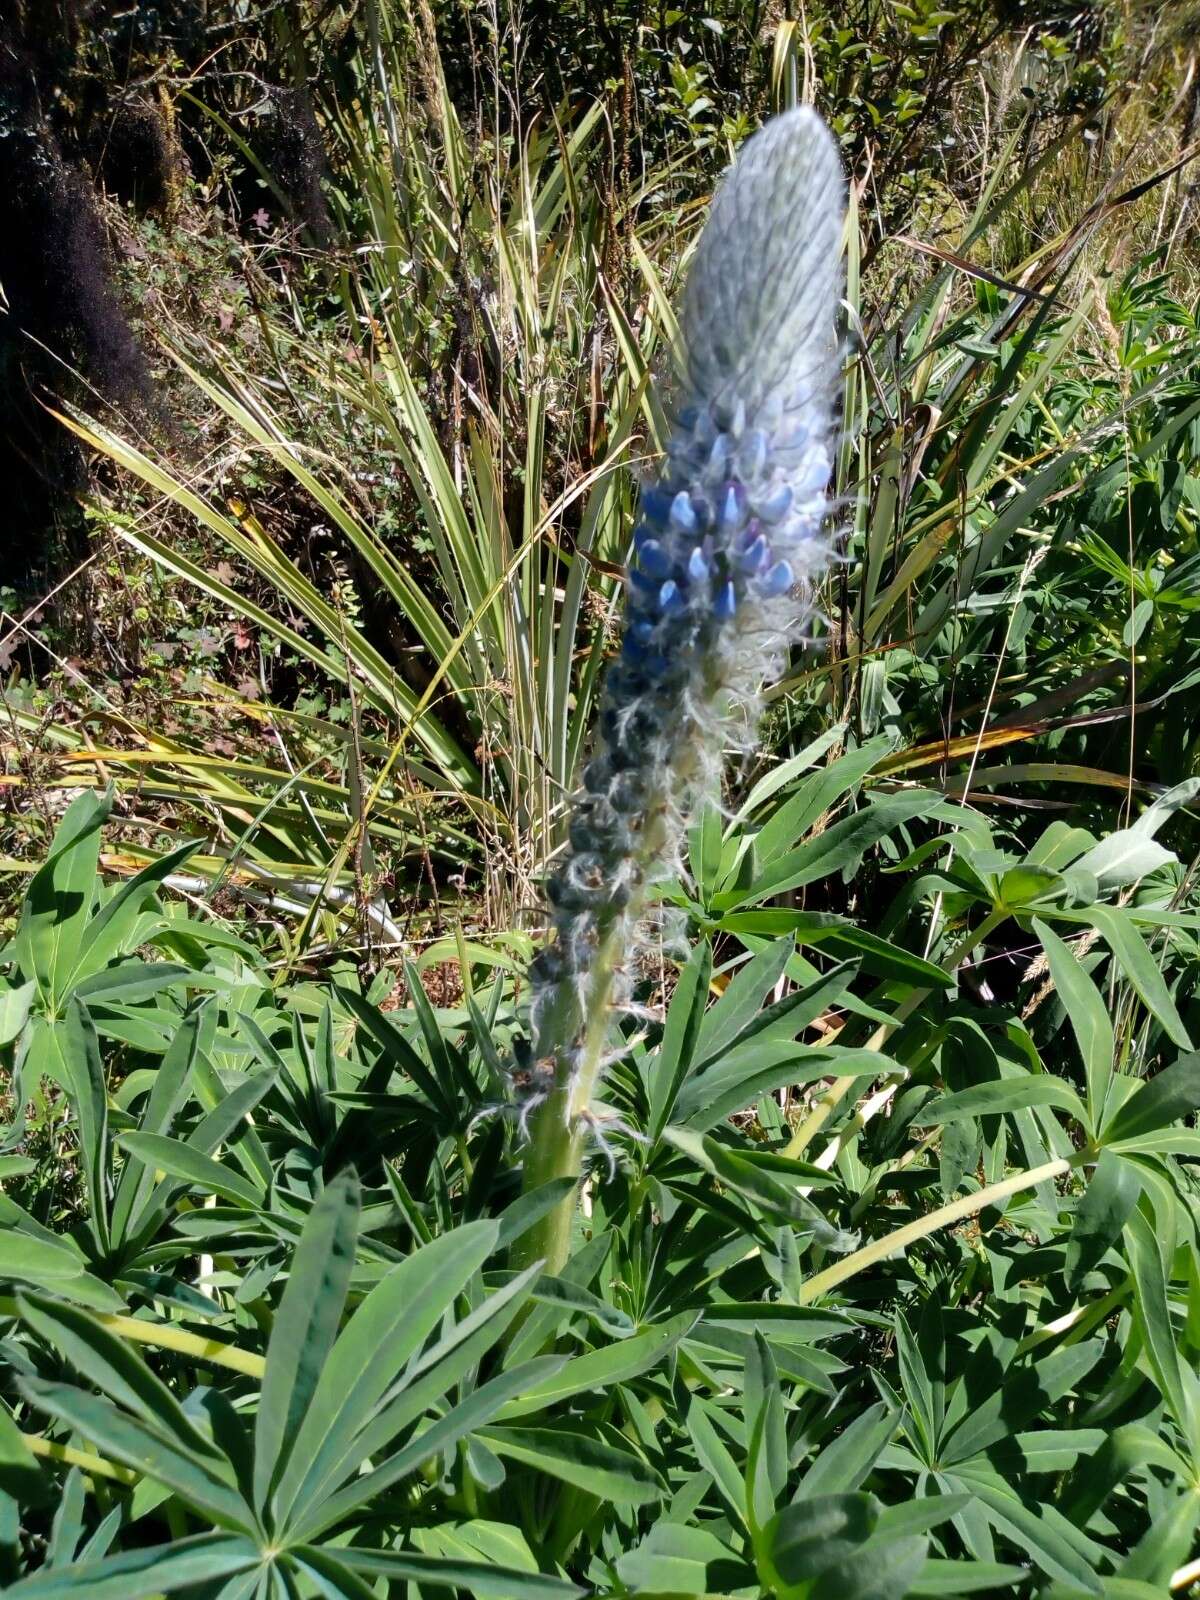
[731, 539]
[756, 322]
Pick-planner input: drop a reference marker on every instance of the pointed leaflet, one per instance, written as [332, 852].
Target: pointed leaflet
[391, 1323]
[1100, 1215]
[673, 1060]
[430, 1376]
[306, 1325]
[1088, 1016]
[59, 900]
[140, 1574]
[1119, 932]
[146, 1449]
[479, 1406]
[1159, 1101]
[89, 1095]
[106, 1361]
[477, 1578]
[167, 1094]
[105, 935]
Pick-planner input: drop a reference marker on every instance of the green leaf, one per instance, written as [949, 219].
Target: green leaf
[167, 1093]
[1163, 1099]
[479, 1406]
[110, 1364]
[59, 901]
[580, 1459]
[673, 1060]
[742, 1000]
[1100, 1215]
[597, 1371]
[1123, 857]
[1003, 1095]
[146, 1450]
[953, 1578]
[106, 934]
[879, 957]
[306, 1325]
[846, 1460]
[743, 1076]
[1088, 1016]
[36, 1260]
[89, 1097]
[1154, 1314]
[1021, 1395]
[428, 1378]
[676, 1560]
[822, 1549]
[141, 1574]
[1129, 950]
[489, 1581]
[839, 849]
[15, 1003]
[392, 1322]
[192, 1168]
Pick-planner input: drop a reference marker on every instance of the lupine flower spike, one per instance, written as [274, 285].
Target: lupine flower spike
[730, 541]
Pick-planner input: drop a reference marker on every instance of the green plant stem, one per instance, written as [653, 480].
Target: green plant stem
[898, 1241]
[575, 1034]
[86, 1460]
[825, 1104]
[165, 1336]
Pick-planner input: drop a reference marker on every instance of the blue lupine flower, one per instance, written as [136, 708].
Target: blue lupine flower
[730, 539]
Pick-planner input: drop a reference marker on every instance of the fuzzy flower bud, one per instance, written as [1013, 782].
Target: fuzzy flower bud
[730, 539]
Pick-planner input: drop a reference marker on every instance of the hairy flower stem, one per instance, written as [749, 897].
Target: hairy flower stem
[730, 541]
[576, 1034]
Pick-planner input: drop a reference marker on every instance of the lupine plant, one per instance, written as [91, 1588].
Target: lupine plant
[888, 1286]
[731, 536]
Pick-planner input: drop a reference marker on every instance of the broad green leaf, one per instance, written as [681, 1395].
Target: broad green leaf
[580, 1459]
[36, 1260]
[89, 1099]
[59, 900]
[804, 1539]
[879, 957]
[110, 1364]
[305, 1328]
[939, 1577]
[141, 1574]
[1088, 1016]
[138, 1445]
[839, 849]
[392, 1322]
[672, 1062]
[746, 1074]
[677, 1560]
[429, 1377]
[1129, 950]
[1018, 1397]
[742, 1000]
[478, 1407]
[106, 934]
[1123, 857]
[1003, 1095]
[489, 1581]
[1154, 1313]
[1100, 1215]
[843, 1464]
[15, 1003]
[597, 1371]
[168, 1091]
[1165, 1098]
[192, 1168]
